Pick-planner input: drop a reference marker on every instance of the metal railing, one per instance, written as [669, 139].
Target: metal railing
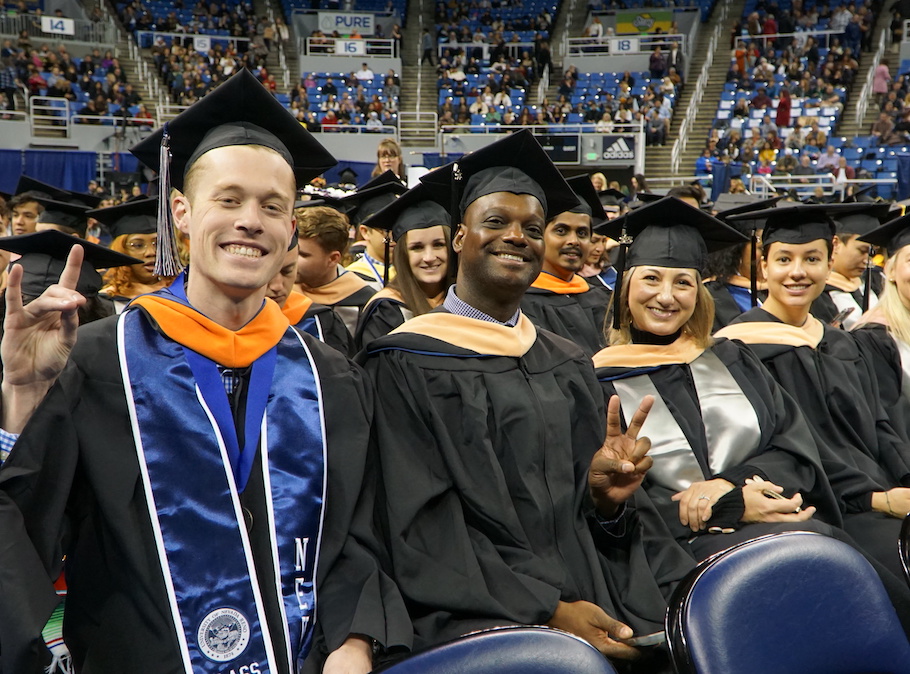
[98, 33]
[420, 124]
[49, 116]
[544, 85]
[373, 47]
[767, 185]
[822, 37]
[147, 38]
[513, 50]
[360, 128]
[635, 44]
[682, 139]
[865, 94]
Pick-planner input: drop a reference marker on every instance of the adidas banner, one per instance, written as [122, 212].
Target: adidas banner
[619, 149]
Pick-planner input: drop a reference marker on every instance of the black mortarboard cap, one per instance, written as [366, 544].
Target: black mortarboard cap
[862, 196]
[64, 213]
[373, 197]
[415, 209]
[744, 225]
[139, 216]
[671, 233]
[728, 201]
[869, 216]
[44, 258]
[238, 112]
[321, 200]
[611, 197]
[800, 223]
[588, 200]
[516, 164]
[347, 176]
[893, 235]
[39, 188]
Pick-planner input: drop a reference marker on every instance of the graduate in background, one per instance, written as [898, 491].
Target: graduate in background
[560, 299]
[43, 258]
[134, 226]
[884, 331]
[374, 266]
[192, 539]
[302, 312]
[422, 231]
[492, 445]
[824, 370]
[322, 240]
[846, 288]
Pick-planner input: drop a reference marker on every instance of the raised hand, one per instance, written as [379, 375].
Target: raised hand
[619, 466]
[37, 340]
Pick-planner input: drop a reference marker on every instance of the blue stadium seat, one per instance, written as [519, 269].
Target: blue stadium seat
[784, 603]
[508, 650]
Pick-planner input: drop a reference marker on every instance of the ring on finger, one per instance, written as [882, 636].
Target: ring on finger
[704, 497]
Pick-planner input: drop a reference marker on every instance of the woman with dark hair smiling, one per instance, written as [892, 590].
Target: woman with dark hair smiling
[421, 229]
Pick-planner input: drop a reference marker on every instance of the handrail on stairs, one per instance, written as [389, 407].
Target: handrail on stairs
[682, 139]
[863, 102]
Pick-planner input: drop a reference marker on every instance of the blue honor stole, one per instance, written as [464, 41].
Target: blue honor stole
[193, 472]
[311, 326]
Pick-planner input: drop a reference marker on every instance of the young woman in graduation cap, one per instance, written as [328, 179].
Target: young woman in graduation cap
[134, 226]
[422, 231]
[725, 441]
[825, 372]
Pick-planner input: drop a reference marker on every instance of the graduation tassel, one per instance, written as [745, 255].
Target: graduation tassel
[388, 261]
[624, 242]
[753, 267]
[167, 259]
[870, 264]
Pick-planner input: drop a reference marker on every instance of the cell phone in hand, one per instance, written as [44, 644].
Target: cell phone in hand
[841, 316]
[654, 639]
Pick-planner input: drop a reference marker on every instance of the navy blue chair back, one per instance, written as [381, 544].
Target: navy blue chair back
[508, 650]
[904, 547]
[790, 603]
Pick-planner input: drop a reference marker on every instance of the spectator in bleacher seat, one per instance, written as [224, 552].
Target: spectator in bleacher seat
[388, 158]
[329, 87]
[804, 168]
[656, 129]
[883, 130]
[364, 74]
[703, 163]
[761, 99]
[816, 138]
[844, 172]
[829, 160]
[767, 126]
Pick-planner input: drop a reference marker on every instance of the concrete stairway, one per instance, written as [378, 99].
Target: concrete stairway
[848, 125]
[657, 159]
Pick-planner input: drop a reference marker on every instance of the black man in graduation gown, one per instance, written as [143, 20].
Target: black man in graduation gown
[486, 428]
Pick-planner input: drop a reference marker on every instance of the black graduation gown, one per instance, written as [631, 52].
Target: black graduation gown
[484, 463]
[72, 486]
[786, 454]
[579, 317]
[882, 353]
[379, 318]
[825, 310]
[331, 328]
[725, 307]
[836, 390]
